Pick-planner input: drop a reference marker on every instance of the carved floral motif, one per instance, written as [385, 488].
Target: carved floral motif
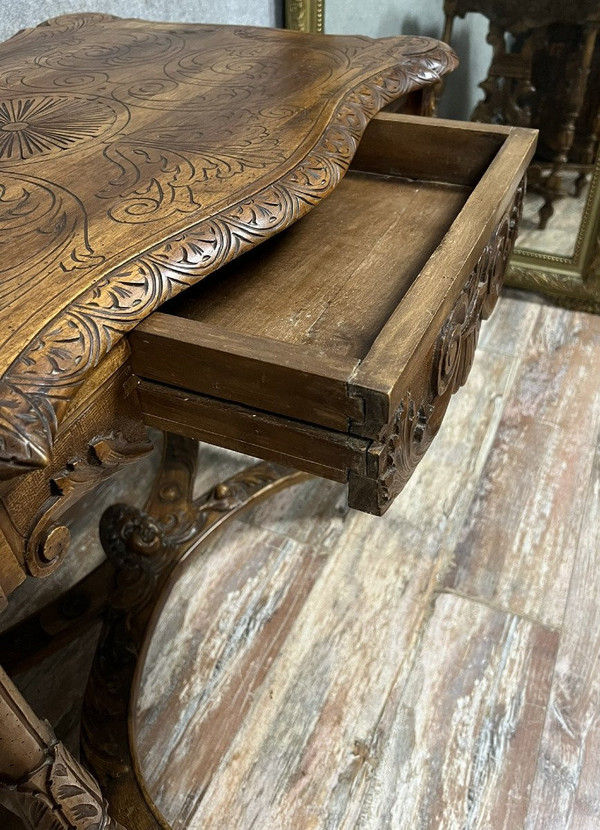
[404, 441]
[37, 387]
[190, 161]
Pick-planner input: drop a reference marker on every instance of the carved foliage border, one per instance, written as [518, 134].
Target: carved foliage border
[404, 441]
[36, 389]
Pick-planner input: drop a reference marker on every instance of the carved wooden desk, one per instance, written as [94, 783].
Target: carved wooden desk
[138, 159]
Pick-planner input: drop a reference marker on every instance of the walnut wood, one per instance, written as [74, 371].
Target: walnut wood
[323, 452]
[149, 155]
[360, 605]
[362, 248]
[410, 331]
[102, 432]
[272, 375]
[130, 172]
[340, 326]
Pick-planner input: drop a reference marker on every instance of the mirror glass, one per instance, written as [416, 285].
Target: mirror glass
[521, 64]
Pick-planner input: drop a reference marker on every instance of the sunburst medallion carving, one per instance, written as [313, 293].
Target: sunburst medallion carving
[50, 124]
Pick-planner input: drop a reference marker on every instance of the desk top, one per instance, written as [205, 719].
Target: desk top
[136, 157]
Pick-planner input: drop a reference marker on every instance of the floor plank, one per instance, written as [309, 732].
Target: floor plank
[517, 546]
[457, 743]
[225, 622]
[509, 329]
[301, 745]
[558, 378]
[566, 795]
[436, 668]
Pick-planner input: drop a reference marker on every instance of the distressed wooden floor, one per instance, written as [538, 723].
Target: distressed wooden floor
[437, 669]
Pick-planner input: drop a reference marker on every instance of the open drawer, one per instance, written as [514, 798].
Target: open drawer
[335, 346]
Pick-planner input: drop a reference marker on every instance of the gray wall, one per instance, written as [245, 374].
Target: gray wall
[382, 18]
[17, 14]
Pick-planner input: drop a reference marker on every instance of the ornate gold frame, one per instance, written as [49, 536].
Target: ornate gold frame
[575, 280]
[305, 15]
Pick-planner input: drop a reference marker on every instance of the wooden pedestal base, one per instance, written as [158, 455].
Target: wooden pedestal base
[40, 781]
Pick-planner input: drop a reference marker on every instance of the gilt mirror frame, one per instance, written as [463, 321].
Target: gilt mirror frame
[572, 280]
[305, 15]
[575, 279]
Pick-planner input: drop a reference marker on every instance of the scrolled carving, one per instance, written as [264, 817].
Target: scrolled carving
[162, 175]
[404, 440]
[455, 348]
[193, 159]
[29, 205]
[48, 541]
[569, 291]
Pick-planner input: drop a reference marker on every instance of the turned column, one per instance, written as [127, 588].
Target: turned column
[567, 132]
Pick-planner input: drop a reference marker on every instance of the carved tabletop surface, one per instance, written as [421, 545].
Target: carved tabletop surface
[136, 157]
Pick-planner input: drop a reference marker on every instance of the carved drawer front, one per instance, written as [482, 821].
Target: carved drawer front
[336, 345]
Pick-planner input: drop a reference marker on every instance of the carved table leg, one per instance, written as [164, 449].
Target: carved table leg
[40, 781]
[576, 92]
[144, 546]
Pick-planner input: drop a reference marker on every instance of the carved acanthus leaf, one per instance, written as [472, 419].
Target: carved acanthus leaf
[59, 795]
[52, 367]
[49, 539]
[405, 439]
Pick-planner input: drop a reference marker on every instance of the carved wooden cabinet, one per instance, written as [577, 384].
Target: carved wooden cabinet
[539, 77]
[138, 160]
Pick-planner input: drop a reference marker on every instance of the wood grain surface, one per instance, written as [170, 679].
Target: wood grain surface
[336, 240]
[552, 454]
[565, 791]
[137, 157]
[369, 338]
[435, 669]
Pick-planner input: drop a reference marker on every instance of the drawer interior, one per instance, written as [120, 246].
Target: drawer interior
[324, 322]
[330, 282]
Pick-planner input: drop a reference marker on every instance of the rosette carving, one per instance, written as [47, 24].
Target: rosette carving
[43, 125]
